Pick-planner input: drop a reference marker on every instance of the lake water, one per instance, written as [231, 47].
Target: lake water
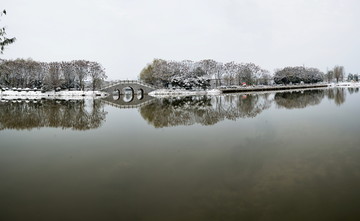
[272, 156]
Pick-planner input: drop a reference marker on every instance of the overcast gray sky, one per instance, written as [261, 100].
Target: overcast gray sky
[125, 35]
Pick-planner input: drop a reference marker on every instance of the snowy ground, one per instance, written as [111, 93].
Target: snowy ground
[10, 94]
[178, 92]
[345, 84]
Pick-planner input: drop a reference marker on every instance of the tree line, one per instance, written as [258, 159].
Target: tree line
[338, 74]
[27, 73]
[190, 74]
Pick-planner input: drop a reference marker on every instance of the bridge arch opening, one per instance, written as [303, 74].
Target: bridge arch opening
[140, 94]
[128, 94]
[116, 94]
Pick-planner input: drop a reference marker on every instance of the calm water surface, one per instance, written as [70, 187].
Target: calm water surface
[275, 156]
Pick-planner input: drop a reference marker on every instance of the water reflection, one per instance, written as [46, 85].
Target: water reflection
[165, 112]
[299, 99]
[339, 96]
[74, 114]
[275, 165]
[207, 110]
[203, 110]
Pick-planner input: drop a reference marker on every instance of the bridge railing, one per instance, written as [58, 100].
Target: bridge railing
[129, 82]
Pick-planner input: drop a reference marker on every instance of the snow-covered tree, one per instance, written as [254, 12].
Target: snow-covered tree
[356, 77]
[230, 69]
[81, 72]
[28, 73]
[329, 75]
[97, 75]
[339, 73]
[298, 74]
[3, 39]
[161, 73]
[54, 78]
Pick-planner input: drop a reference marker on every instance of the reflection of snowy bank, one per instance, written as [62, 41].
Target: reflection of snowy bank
[178, 92]
[249, 90]
[9, 95]
[345, 84]
[171, 93]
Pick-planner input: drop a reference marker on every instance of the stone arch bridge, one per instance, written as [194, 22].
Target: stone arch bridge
[124, 86]
[128, 93]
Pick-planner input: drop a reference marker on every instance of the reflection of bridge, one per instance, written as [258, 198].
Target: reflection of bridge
[121, 87]
[128, 94]
[122, 101]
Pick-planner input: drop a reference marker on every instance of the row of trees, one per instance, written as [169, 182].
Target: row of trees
[66, 75]
[197, 74]
[190, 74]
[338, 73]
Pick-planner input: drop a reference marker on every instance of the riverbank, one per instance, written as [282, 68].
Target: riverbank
[250, 89]
[183, 92]
[236, 89]
[10, 94]
[345, 84]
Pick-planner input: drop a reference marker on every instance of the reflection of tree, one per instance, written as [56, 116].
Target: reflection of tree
[351, 90]
[299, 99]
[330, 94]
[338, 94]
[205, 110]
[176, 111]
[73, 114]
[242, 106]
[303, 99]
[202, 109]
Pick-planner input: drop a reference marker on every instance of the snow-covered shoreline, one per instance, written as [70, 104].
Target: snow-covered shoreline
[10, 94]
[179, 92]
[345, 84]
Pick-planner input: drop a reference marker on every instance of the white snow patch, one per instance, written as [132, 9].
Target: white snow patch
[178, 92]
[10, 94]
[346, 84]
